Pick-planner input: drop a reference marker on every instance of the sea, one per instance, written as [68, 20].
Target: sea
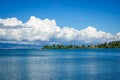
[60, 64]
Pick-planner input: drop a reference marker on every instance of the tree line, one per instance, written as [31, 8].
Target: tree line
[113, 44]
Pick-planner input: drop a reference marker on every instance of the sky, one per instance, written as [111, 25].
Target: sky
[67, 17]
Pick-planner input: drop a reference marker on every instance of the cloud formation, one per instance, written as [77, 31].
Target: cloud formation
[37, 30]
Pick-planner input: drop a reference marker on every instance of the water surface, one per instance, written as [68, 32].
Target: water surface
[65, 64]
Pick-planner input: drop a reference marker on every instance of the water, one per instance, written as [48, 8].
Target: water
[82, 64]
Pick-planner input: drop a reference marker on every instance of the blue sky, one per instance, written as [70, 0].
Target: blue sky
[102, 14]
[42, 22]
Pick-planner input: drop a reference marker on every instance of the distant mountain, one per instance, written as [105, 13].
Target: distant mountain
[18, 46]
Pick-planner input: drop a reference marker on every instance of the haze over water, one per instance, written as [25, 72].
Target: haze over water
[65, 64]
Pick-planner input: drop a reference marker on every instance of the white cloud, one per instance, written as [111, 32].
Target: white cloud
[36, 29]
[10, 22]
[67, 34]
[91, 34]
[118, 36]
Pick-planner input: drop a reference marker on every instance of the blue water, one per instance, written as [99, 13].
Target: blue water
[76, 64]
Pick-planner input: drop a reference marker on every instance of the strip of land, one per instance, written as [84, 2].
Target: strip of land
[113, 44]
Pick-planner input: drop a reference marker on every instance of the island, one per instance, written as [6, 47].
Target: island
[113, 44]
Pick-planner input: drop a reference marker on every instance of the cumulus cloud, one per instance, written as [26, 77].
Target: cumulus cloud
[67, 34]
[10, 22]
[91, 34]
[37, 30]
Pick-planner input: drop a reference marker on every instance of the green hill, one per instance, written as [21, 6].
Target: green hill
[113, 44]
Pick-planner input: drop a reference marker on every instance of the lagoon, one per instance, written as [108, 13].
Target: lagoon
[60, 64]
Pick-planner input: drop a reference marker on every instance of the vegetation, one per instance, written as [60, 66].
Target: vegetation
[114, 44]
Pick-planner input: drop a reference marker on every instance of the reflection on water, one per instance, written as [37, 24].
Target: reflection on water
[60, 64]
